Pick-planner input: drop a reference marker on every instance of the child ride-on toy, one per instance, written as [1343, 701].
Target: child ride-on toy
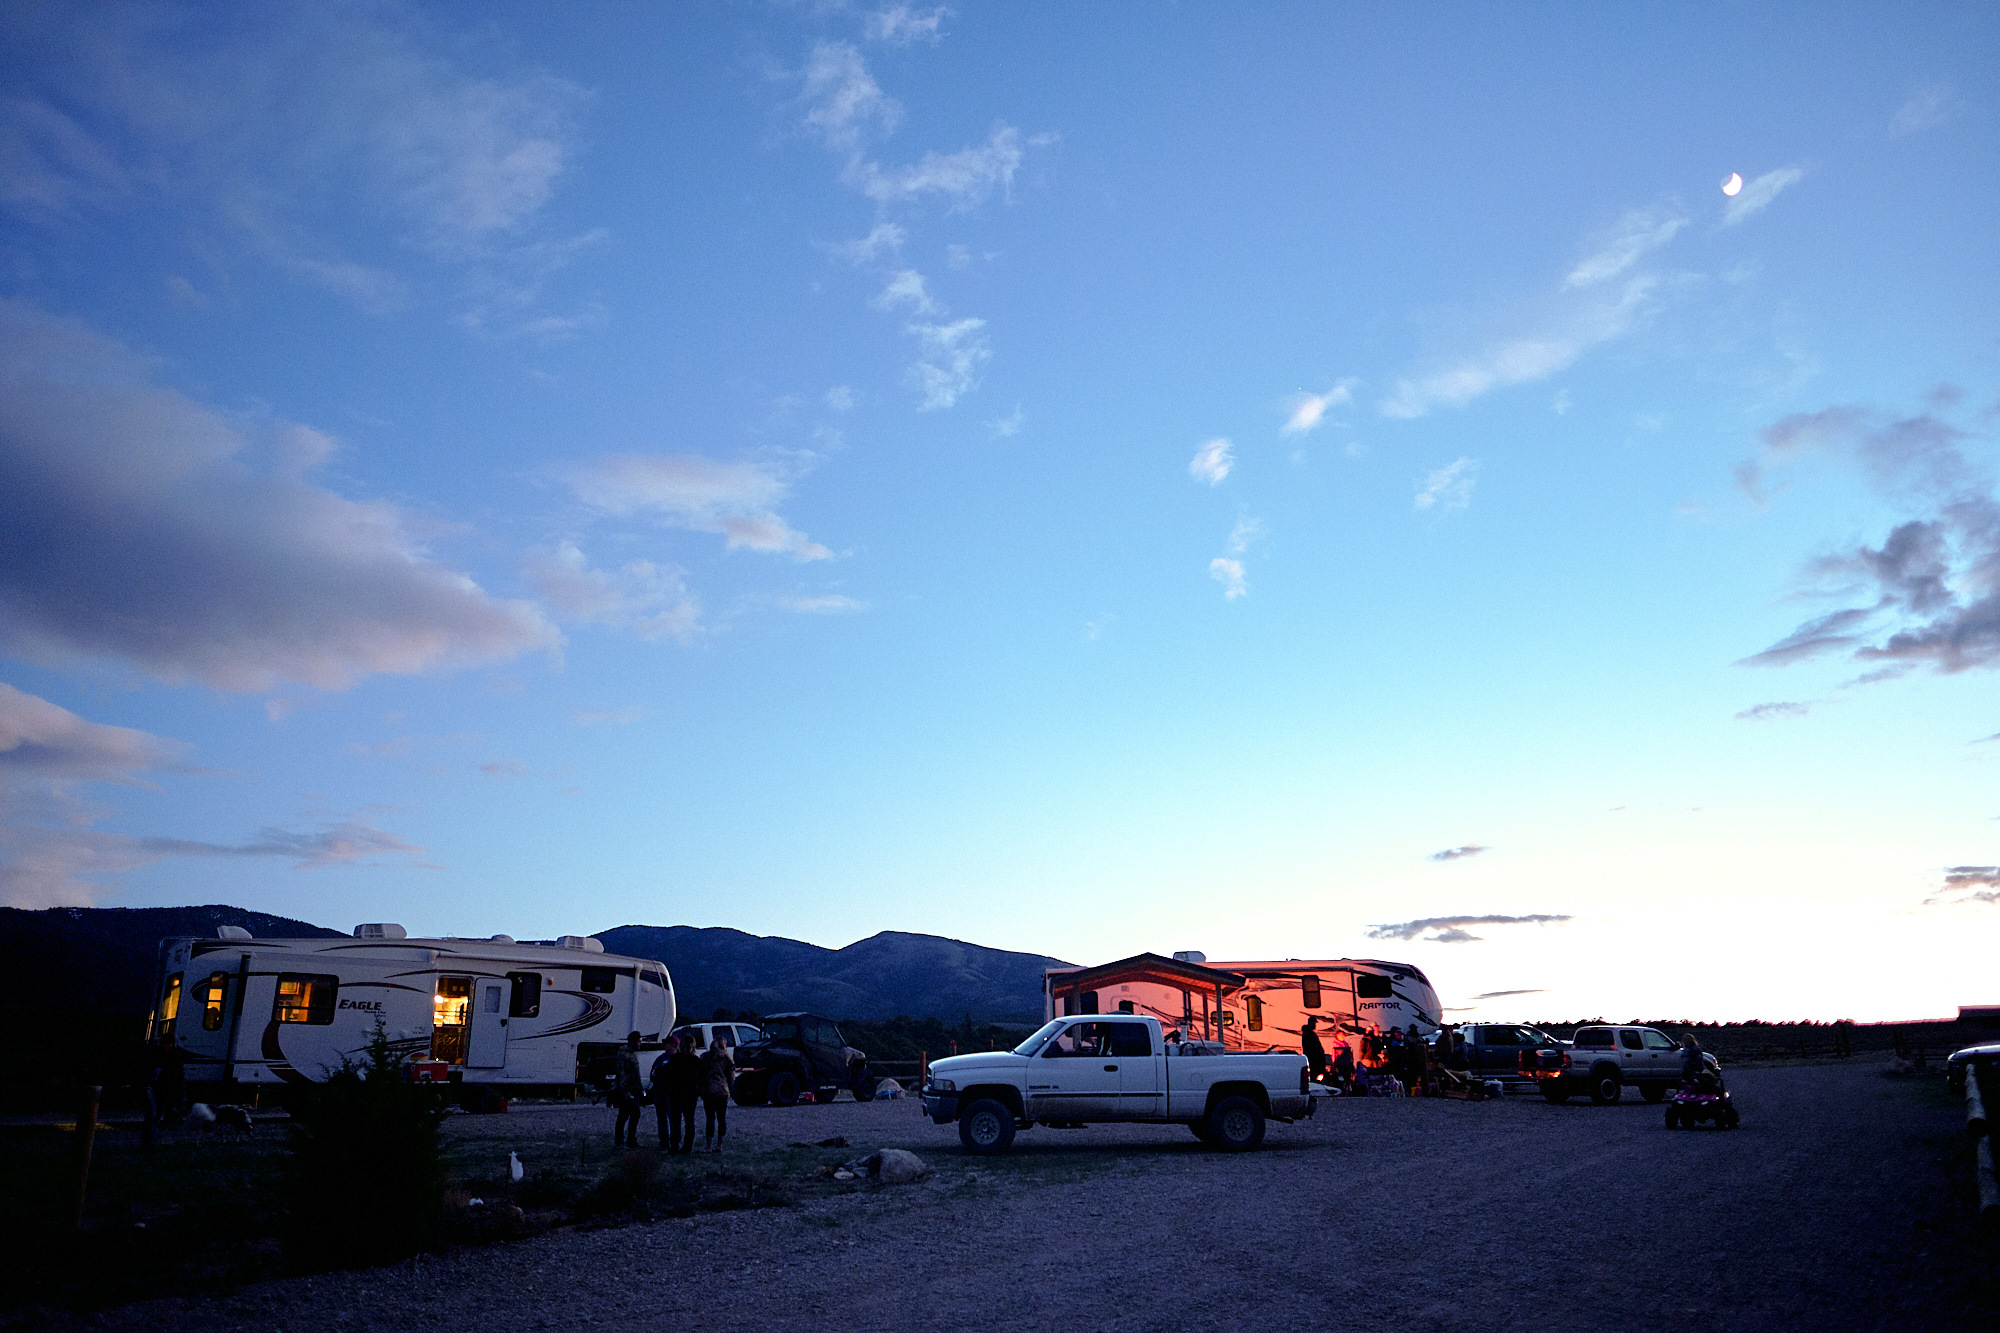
[1694, 1102]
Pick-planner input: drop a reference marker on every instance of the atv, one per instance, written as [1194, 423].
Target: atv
[1702, 1099]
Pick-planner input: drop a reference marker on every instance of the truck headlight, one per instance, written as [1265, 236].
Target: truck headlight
[943, 1085]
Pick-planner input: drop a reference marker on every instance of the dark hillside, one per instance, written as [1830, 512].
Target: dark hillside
[101, 959]
[881, 977]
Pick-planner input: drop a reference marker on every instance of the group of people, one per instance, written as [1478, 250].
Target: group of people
[678, 1078]
[1392, 1064]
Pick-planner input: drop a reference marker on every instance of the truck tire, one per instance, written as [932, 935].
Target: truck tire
[1654, 1092]
[864, 1087]
[783, 1088]
[751, 1090]
[1554, 1091]
[1605, 1087]
[986, 1127]
[1235, 1124]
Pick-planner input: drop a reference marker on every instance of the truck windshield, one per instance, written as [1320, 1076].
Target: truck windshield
[1042, 1034]
[782, 1029]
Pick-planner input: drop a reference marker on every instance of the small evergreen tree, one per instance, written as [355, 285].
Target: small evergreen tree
[367, 1175]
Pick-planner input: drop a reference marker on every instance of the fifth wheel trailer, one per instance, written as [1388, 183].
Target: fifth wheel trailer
[516, 1018]
[1253, 1006]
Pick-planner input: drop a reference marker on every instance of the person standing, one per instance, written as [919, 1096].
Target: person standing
[628, 1094]
[1314, 1052]
[1343, 1069]
[717, 1069]
[676, 1088]
[1416, 1055]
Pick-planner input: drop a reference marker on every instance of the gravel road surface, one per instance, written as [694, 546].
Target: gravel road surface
[1838, 1205]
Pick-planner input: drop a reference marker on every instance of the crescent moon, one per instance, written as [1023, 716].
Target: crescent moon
[1733, 186]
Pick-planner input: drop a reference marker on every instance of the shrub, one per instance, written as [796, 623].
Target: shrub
[366, 1178]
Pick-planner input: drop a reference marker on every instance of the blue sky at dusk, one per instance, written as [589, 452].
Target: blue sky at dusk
[1287, 481]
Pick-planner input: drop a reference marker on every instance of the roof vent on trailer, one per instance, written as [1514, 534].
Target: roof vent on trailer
[501, 939]
[583, 942]
[231, 933]
[1190, 956]
[380, 930]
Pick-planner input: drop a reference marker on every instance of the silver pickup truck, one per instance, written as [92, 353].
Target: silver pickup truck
[1092, 1069]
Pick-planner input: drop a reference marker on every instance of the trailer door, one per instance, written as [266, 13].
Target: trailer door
[488, 1046]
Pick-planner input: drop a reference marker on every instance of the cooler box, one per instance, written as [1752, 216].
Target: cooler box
[429, 1071]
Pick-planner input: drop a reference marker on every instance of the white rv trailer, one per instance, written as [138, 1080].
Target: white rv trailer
[493, 1013]
[1253, 1006]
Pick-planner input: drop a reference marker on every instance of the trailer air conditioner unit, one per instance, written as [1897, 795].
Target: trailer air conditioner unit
[1190, 956]
[231, 933]
[582, 942]
[380, 930]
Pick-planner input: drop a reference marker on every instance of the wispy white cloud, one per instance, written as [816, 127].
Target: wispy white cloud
[1001, 428]
[50, 852]
[840, 398]
[1459, 853]
[1247, 530]
[965, 178]
[906, 290]
[948, 366]
[882, 238]
[1229, 573]
[1449, 487]
[699, 494]
[1766, 712]
[844, 106]
[1758, 194]
[1308, 409]
[649, 600]
[823, 604]
[1637, 234]
[900, 25]
[1451, 929]
[505, 768]
[1212, 462]
[1927, 107]
[1585, 320]
[376, 151]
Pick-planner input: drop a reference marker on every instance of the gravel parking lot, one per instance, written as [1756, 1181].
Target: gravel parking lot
[1844, 1202]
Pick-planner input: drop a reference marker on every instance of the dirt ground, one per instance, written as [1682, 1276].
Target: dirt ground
[1843, 1202]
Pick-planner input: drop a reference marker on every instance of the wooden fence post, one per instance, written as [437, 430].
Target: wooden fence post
[86, 1135]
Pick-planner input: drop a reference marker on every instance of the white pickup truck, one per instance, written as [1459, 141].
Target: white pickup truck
[1088, 1069]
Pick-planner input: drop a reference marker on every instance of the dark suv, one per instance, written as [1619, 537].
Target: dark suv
[801, 1055]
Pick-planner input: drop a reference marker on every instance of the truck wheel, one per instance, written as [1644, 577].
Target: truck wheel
[864, 1088]
[986, 1127]
[751, 1091]
[1236, 1125]
[1605, 1089]
[1654, 1092]
[1554, 1092]
[783, 1089]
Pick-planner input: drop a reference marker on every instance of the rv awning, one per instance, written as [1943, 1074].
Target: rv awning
[1146, 967]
